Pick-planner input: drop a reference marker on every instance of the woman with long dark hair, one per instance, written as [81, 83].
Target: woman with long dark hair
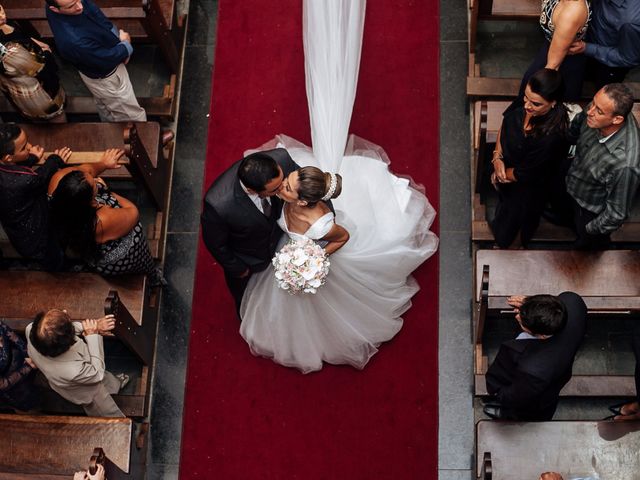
[531, 144]
[97, 224]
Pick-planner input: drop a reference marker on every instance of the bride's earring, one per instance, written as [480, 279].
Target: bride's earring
[302, 203]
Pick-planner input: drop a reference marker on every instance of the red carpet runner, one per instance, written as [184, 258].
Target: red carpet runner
[245, 417]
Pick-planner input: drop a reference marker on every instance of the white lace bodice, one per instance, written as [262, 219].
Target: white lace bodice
[316, 231]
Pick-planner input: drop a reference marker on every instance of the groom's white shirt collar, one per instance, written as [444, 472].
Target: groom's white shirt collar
[254, 197]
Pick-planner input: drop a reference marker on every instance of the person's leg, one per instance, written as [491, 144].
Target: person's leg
[585, 240]
[538, 62]
[103, 404]
[114, 96]
[572, 70]
[236, 286]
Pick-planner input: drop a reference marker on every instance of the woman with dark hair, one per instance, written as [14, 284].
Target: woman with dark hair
[563, 22]
[98, 224]
[29, 74]
[16, 386]
[530, 147]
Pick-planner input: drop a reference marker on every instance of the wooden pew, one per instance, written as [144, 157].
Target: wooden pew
[516, 451]
[608, 281]
[487, 119]
[52, 447]
[86, 295]
[145, 20]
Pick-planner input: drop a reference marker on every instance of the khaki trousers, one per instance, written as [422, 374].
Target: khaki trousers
[115, 98]
[103, 404]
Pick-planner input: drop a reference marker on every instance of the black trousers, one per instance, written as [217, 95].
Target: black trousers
[236, 286]
[602, 74]
[572, 70]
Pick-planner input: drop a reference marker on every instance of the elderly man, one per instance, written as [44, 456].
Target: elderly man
[602, 180]
[528, 373]
[613, 41]
[86, 38]
[71, 357]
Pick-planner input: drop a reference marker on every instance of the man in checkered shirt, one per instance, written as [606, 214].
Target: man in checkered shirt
[602, 180]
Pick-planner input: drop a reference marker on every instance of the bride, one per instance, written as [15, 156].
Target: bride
[376, 234]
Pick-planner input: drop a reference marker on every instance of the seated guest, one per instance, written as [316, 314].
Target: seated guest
[29, 74]
[548, 476]
[602, 180]
[612, 45]
[531, 145]
[16, 386]
[24, 211]
[528, 373]
[98, 224]
[563, 22]
[71, 357]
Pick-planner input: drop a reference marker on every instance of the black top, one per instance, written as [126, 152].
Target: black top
[48, 76]
[24, 209]
[534, 159]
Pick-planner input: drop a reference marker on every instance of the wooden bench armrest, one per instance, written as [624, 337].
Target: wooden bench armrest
[128, 330]
[487, 466]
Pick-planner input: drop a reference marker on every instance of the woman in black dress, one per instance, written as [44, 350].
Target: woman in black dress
[529, 150]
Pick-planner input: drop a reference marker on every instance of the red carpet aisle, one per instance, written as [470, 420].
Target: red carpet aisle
[245, 417]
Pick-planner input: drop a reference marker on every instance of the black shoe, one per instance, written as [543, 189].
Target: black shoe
[493, 410]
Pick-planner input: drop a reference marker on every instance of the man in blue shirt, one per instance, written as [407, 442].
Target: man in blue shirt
[86, 38]
[613, 41]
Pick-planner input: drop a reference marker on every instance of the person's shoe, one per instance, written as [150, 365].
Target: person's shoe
[124, 379]
[493, 410]
[618, 408]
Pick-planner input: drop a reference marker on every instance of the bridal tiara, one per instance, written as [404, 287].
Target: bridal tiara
[332, 187]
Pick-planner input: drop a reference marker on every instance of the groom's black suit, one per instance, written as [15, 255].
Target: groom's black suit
[237, 234]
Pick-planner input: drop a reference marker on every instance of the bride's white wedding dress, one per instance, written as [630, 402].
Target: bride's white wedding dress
[369, 284]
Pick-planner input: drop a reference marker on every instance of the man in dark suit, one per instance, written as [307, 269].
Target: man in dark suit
[528, 373]
[240, 213]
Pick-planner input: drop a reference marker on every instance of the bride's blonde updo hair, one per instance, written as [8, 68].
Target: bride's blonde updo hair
[315, 185]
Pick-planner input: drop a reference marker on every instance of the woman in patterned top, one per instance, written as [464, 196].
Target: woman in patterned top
[563, 22]
[16, 388]
[29, 74]
[98, 224]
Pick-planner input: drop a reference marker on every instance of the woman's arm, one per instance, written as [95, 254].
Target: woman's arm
[114, 223]
[499, 172]
[108, 161]
[336, 237]
[570, 19]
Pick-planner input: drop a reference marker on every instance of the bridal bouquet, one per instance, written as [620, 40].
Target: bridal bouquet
[301, 266]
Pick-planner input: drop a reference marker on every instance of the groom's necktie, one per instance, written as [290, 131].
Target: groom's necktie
[266, 207]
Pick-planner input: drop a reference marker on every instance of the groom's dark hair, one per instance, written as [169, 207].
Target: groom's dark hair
[256, 170]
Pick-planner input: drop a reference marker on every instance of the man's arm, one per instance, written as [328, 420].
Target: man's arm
[92, 371]
[97, 56]
[215, 233]
[621, 190]
[625, 54]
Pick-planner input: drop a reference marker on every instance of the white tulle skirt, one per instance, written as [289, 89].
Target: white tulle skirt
[369, 285]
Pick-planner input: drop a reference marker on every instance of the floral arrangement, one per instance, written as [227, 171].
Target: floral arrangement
[301, 266]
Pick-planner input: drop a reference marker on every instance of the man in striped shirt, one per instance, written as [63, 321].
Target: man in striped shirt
[603, 178]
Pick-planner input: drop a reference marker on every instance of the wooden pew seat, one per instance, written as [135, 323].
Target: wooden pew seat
[487, 119]
[609, 283]
[52, 447]
[87, 295]
[517, 451]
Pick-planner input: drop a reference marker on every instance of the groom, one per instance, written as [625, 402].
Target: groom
[240, 213]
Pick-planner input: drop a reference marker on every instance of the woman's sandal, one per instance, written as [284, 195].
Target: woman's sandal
[617, 408]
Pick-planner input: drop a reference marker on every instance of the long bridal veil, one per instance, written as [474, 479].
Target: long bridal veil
[369, 285]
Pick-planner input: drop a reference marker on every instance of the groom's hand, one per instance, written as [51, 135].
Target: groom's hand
[245, 274]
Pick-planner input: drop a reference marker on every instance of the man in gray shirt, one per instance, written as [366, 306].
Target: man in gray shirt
[602, 180]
